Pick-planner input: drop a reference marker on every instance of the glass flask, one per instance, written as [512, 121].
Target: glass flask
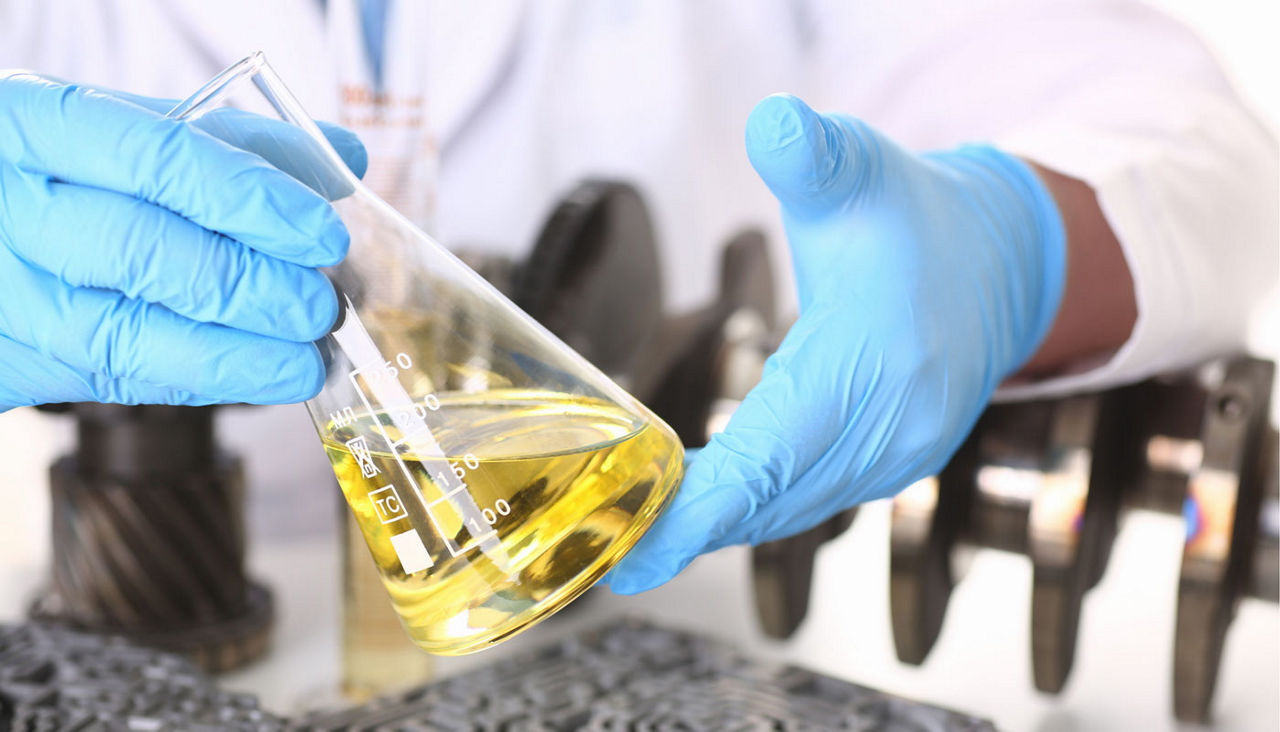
[495, 474]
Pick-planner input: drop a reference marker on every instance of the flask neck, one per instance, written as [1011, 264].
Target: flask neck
[299, 149]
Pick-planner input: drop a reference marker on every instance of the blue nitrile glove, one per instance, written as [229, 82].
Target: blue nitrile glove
[924, 280]
[144, 260]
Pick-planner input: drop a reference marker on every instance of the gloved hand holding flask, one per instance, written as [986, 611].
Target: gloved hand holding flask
[146, 261]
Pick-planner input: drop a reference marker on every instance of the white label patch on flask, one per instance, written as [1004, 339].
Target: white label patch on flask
[412, 552]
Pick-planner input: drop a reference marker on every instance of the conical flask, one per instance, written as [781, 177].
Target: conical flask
[495, 474]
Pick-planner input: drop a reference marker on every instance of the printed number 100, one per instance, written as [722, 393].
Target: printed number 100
[500, 508]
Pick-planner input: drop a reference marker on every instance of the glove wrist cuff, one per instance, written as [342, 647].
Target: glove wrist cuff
[1034, 239]
[1052, 240]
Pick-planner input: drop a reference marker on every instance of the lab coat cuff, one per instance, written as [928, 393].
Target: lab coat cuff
[1193, 304]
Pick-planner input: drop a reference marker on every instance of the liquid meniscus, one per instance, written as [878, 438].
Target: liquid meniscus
[563, 484]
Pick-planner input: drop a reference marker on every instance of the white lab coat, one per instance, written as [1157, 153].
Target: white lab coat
[523, 99]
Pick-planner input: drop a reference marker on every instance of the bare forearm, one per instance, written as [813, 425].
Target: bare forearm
[1098, 307]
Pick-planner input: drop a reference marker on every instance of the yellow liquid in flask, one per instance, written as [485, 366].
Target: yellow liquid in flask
[563, 484]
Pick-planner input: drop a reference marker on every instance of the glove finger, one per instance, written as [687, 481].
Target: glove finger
[807, 503]
[839, 481]
[31, 378]
[122, 338]
[348, 146]
[812, 163]
[152, 254]
[690, 455]
[82, 136]
[287, 147]
[898, 427]
[775, 435]
[344, 141]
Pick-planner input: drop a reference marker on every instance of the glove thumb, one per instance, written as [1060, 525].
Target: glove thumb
[811, 162]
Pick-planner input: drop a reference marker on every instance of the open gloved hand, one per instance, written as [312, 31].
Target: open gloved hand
[145, 260]
[924, 281]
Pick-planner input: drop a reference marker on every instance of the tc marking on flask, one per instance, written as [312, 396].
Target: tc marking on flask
[359, 449]
[386, 502]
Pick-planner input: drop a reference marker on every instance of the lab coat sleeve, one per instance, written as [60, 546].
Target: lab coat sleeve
[1111, 93]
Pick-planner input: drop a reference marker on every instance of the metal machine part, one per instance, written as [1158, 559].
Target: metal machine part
[924, 563]
[638, 677]
[53, 678]
[628, 675]
[1051, 479]
[592, 277]
[1266, 555]
[711, 356]
[1029, 494]
[1223, 502]
[148, 537]
[782, 575]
